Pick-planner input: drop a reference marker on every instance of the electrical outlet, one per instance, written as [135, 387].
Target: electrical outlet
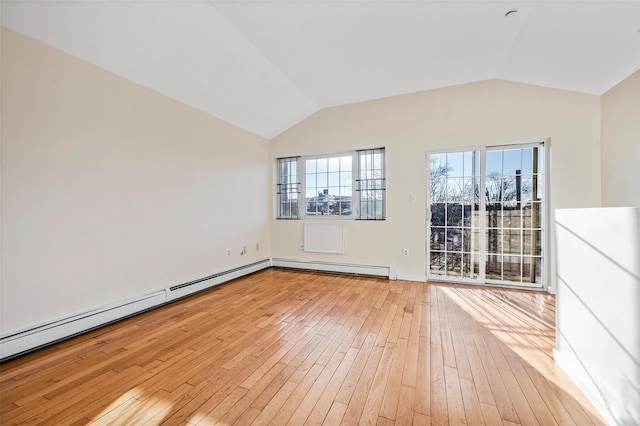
[228, 252]
[257, 246]
[405, 252]
[301, 246]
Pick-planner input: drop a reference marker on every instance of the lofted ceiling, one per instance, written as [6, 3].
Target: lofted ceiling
[266, 65]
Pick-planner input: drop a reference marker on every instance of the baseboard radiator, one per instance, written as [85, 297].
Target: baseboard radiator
[344, 268]
[20, 342]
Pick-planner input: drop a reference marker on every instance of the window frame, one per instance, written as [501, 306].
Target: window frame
[301, 169]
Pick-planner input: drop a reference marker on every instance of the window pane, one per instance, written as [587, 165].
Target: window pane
[494, 241]
[454, 264]
[311, 192]
[455, 189]
[345, 163]
[493, 267]
[322, 180]
[310, 166]
[321, 164]
[334, 164]
[467, 215]
[468, 163]
[476, 190]
[454, 214]
[437, 238]
[493, 188]
[466, 240]
[527, 158]
[438, 164]
[540, 186]
[494, 215]
[509, 188]
[454, 239]
[454, 164]
[377, 161]
[438, 189]
[437, 214]
[475, 241]
[346, 178]
[511, 218]
[512, 161]
[531, 216]
[540, 168]
[531, 269]
[512, 268]
[512, 242]
[310, 181]
[467, 190]
[470, 266]
[494, 163]
[334, 178]
[532, 242]
[527, 188]
[437, 263]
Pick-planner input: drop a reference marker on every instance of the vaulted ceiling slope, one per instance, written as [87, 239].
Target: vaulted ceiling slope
[266, 65]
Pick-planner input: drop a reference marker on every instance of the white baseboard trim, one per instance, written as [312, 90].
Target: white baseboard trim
[412, 277]
[26, 340]
[35, 337]
[345, 268]
[572, 367]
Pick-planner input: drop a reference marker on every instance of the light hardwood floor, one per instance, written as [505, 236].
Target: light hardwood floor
[287, 347]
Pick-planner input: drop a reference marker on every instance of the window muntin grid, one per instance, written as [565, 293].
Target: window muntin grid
[371, 184]
[329, 186]
[288, 188]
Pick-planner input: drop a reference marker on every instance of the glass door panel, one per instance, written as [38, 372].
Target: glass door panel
[453, 202]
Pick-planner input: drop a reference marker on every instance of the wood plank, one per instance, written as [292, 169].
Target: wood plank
[283, 346]
[335, 414]
[404, 415]
[376, 391]
[394, 381]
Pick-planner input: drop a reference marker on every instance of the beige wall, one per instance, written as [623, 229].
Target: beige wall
[110, 190]
[483, 113]
[621, 144]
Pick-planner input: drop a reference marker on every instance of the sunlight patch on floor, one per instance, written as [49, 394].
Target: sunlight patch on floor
[528, 342]
[133, 408]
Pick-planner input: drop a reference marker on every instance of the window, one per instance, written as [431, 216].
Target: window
[329, 186]
[347, 185]
[288, 188]
[371, 183]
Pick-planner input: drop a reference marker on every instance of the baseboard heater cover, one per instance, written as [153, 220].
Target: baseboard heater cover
[378, 271]
[27, 340]
[188, 288]
[45, 334]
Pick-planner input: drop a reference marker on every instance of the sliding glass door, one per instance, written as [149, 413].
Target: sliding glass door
[485, 221]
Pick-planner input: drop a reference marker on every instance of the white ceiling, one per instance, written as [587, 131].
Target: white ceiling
[266, 65]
